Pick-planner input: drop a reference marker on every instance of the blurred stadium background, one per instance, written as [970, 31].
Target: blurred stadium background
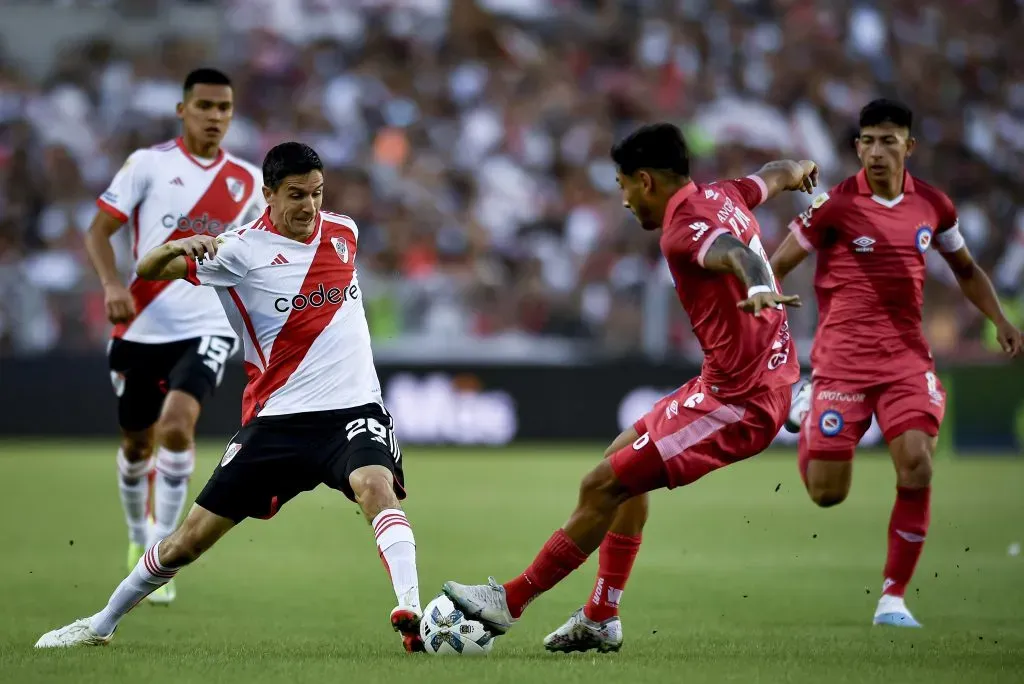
[469, 138]
[514, 302]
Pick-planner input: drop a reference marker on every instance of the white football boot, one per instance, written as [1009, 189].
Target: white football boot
[78, 633]
[800, 407]
[893, 612]
[483, 602]
[581, 634]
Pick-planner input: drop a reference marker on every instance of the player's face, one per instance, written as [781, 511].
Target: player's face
[637, 191]
[207, 112]
[296, 202]
[883, 150]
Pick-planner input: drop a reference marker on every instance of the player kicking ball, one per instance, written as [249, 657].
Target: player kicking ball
[733, 411]
[311, 412]
[870, 356]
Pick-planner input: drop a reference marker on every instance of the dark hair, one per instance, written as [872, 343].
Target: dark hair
[289, 159]
[659, 146]
[886, 111]
[206, 77]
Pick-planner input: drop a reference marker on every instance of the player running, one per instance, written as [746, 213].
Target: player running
[732, 411]
[169, 342]
[871, 233]
[312, 410]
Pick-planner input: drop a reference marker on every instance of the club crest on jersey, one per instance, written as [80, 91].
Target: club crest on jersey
[229, 453]
[236, 188]
[341, 247]
[831, 423]
[923, 238]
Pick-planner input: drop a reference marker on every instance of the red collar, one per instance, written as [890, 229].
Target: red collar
[680, 196]
[273, 229]
[180, 142]
[864, 188]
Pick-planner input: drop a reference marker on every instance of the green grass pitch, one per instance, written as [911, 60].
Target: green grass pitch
[740, 579]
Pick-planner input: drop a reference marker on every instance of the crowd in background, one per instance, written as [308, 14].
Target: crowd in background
[470, 141]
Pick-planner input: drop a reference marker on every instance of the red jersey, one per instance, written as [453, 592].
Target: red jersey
[870, 276]
[743, 355]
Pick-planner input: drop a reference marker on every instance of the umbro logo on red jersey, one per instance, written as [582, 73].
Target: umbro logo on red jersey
[279, 259]
[864, 244]
[177, 181]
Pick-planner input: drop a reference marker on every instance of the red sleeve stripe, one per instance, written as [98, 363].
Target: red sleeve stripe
[110, 209]
[710, 240]
[248, 326]
[191, 271]
[794, 227]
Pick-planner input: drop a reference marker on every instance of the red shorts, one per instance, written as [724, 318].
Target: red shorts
[841, 413]
[690, 433]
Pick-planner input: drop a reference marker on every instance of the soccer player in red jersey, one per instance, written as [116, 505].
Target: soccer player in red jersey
[730, 412]
[871, 233]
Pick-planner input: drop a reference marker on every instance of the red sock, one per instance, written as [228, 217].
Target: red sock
[907, 529]
[616, 561]
[559, 557]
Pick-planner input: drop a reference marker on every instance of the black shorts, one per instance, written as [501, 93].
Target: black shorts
[143, 374]
[273, 459]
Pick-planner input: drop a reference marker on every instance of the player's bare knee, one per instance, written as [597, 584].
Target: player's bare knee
[827, 496]
[914, 465]
[601, 488]
[374, 489]
[175, 432]
[137, 447]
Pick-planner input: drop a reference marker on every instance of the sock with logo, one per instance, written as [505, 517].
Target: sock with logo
[397, 549]
[907, 529]
[173, 469]
[148, 575]
[615, 562]
[556, 561]
[133, 486]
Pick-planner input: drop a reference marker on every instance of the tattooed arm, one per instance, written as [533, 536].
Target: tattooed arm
[728, 255]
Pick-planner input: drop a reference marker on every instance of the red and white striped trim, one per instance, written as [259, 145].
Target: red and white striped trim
[388, 521]
[679, 441]
[153, 566]
[794, 227]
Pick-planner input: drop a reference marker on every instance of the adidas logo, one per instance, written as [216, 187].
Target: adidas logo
[279, 259]
[177, 181]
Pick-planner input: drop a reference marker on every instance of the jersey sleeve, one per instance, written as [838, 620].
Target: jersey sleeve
[127, 189]
[947, 232]
[810, 227]
[691, 238]
[227, 268]
[752, 190]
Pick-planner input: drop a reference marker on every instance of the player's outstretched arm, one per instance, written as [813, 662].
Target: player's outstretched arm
[788, 256]
[728, 255]
[168, 261]
[786, 174]
[977, 287]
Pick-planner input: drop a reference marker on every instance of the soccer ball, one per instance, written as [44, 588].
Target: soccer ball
[446, 631]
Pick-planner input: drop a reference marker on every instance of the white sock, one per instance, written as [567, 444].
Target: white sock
[397, 549]
[148, 576]
[133, 484]
[173, 469]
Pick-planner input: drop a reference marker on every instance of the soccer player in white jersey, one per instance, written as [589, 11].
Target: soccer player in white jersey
[312, 410]
[169, 342]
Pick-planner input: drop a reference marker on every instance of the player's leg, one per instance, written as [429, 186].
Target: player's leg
[367, 467]
[197, 370]
[597, 624]
[837, 418]
[135, 375]
[157, 566]
[910, 413]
